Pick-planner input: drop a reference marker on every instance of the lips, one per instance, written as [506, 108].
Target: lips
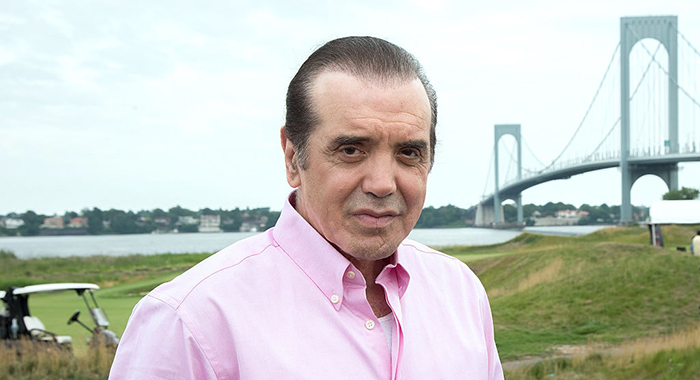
[375, 219]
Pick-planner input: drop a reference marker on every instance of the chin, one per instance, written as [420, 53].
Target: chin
[373, 252]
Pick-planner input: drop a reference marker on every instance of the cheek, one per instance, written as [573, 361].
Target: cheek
[414, 188]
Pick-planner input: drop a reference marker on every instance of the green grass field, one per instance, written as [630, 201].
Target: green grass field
[547, 293]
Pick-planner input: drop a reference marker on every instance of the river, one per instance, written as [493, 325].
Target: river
[148, 244]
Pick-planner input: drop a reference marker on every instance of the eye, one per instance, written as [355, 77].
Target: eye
[410, 153]
[350, 150]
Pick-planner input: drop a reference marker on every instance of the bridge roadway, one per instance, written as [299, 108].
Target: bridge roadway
[511, 190]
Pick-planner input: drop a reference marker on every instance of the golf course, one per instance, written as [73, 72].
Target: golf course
[607, 305]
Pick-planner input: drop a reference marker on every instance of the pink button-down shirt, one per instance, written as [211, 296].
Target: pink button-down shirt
[286, 305]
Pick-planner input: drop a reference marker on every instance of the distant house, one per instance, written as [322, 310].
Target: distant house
[186, 220]
[560, 218]
[248, 227]
[209, 223]
[54, 222]
[566, 214]
[78, 222]
[162, 220]
[252, 223]
[12, 224]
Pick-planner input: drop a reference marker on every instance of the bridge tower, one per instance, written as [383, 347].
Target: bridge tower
[632, 30]
[501, 130]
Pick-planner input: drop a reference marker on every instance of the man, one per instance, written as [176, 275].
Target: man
[695, 245]
[333, 291]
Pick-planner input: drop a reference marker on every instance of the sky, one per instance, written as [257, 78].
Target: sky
[141, 105]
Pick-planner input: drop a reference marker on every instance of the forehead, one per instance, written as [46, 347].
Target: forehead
[339, 97]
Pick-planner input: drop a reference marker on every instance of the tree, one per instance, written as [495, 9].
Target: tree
[207, 211]
[95, 219]
[510, 213]
[158, 213]
[685, 193]
[444, 216]
[32, 223]
[68, 216]
[231, 220]
[178, 211]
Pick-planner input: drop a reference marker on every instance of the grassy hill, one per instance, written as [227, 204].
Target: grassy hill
[605, 290]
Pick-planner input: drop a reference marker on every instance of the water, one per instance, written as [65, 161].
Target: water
[147, 244]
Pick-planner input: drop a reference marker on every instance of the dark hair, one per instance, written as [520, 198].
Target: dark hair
[369, 58]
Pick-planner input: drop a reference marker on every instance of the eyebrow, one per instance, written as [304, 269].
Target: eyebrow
[349, 140]
[418, 144]
[353, 140]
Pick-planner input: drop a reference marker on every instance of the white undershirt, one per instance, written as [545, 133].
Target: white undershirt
[387, 323]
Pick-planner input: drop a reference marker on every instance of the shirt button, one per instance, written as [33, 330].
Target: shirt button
[351, 275]
[369, 324]
[335, 298]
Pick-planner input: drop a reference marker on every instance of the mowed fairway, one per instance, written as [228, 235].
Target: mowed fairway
[117, 301]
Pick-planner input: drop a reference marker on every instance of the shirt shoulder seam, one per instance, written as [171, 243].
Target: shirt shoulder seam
[178, 303]
[425, 249]
[194, 337]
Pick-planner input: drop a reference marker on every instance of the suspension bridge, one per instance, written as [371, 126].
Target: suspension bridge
[644, 118]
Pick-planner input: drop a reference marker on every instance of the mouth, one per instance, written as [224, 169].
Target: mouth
[375, 219]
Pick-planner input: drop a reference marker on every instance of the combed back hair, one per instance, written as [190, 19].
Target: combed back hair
[368, 58]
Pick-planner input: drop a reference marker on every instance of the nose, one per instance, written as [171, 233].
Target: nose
[380, 177]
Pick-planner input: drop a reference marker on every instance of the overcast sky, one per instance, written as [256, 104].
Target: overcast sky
[137, 105]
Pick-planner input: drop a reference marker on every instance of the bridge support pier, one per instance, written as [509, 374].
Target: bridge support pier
[485, 215]
[632, 30]
[667, 172]
[499, 131]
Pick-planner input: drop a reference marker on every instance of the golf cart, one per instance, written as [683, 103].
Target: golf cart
[17, 323]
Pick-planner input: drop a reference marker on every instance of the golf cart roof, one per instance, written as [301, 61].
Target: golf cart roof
[47, 288]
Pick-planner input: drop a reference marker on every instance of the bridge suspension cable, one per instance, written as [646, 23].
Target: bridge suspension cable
[612, 59]
[660, 66]
[617, 122]
[646, 71]
[510, 162]
[527, 146]
[686, 41]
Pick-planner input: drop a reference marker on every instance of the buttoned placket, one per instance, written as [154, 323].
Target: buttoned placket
[355, 299]
[388, 279]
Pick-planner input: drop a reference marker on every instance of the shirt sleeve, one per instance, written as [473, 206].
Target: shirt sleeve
[495, 367]
[157, 344]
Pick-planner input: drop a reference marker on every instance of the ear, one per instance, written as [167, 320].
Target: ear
[290, 160]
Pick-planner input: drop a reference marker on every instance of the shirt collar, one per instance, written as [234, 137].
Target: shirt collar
[322, 263]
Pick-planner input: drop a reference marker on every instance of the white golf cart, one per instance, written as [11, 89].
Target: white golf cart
[16, 322]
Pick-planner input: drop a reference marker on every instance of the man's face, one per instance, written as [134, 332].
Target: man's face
[368, 160]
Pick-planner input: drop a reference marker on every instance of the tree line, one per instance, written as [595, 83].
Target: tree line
[128, 222]
[115, 221]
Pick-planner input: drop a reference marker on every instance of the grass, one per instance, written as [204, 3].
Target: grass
[103, 270]
[608, 286]
[604, 305]
[673, 357]
[29, 361]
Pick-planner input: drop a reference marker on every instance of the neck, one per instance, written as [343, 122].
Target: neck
[375, 293]
[370, 269]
